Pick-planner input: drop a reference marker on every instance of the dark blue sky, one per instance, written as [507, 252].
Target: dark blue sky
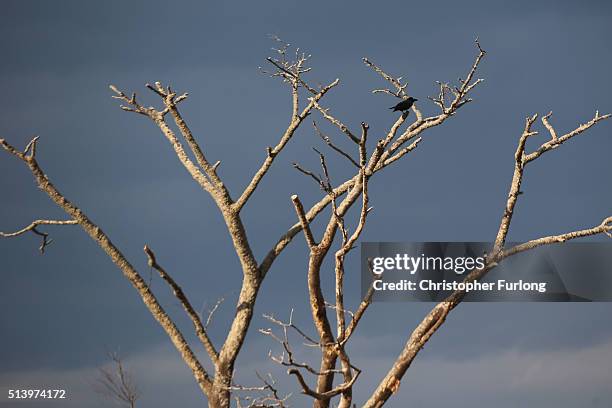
[60, 312]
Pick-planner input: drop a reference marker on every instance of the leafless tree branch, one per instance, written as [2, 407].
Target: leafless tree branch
[96, 233]
[117, 384]
[212, 311]
[200, 329]
[32, 227]
[387, 157]
[343, 128]
[328, 141]
[521, 159]
[436, 317]
[299, 209]
[272, 398]
[296, 120]
[399, 139]
[604, 228]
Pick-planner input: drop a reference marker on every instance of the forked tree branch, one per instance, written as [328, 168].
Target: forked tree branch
[271, 399]
[394, 144]
[321, 396]
[332, 348]
[343, 128]
[118, 384]
[205, 174]
[200, 329]
[389, 156]
[96, 234]
[436, 317]
[32, 227]
[521, 159]
[604, 228]
[35, 224]
[555, 141]
[287, 359]
[328, 141]
[400, 90]
[346, 247]
[387, 151]
[273, 152]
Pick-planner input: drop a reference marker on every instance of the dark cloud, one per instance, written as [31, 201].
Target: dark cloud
[61, 312]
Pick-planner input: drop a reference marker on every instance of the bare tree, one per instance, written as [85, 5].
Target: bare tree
[117, 384]
[369, 158]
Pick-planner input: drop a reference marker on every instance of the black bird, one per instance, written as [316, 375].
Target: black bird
[404, 105]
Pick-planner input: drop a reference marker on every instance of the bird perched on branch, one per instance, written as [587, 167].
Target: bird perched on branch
[404, 105]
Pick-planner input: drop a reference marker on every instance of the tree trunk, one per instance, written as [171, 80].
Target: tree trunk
[220, 394]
